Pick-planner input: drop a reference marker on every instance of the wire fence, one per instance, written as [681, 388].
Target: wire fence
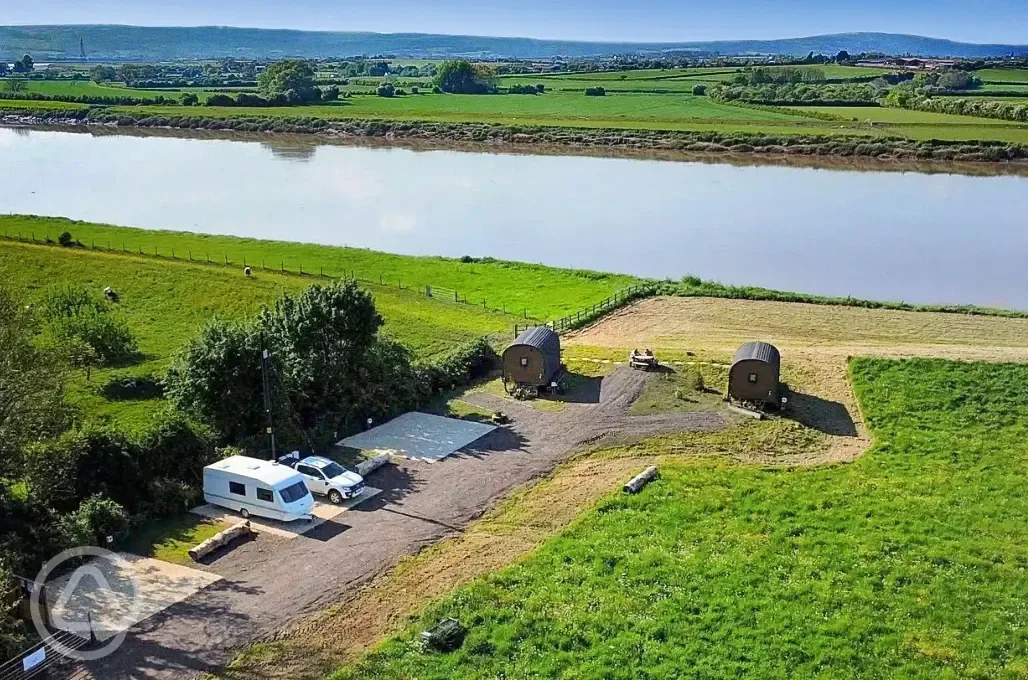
[586, 315]
[439, 293]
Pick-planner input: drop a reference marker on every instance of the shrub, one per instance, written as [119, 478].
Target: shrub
[385, 90]
[75, 314]
[167, 497]
[95, 519]
[190, 99]
[220, 100]
[595, 92]
[464, 364]
[699, 89]
[65, 239]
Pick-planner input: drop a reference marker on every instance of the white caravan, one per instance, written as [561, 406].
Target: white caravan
[263, 488]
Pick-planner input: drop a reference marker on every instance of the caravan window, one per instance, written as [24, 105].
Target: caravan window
[237, 488]
[295, 492]
[265, 495]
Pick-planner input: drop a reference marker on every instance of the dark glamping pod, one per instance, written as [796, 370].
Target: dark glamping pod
[532, 361]
[755, 374]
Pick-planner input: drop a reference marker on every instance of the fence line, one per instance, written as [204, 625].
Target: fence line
[583, 316]
[42, 659]
[440, 293]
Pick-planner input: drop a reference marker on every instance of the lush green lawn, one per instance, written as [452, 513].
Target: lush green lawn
[908, 563]
[170, 539]
[165, 302]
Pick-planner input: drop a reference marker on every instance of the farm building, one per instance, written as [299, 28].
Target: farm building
[755, 374]
[532, 360]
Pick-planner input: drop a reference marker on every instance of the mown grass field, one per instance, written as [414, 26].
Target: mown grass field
[907, 563]
[164, 303]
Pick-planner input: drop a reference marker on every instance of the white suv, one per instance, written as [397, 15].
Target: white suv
[328, 478]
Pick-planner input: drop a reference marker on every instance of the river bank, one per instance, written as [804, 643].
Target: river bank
[554, 139]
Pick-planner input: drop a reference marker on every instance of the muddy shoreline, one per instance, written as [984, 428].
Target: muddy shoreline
[744, 149]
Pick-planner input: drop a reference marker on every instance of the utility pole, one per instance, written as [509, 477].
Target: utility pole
[265, 355]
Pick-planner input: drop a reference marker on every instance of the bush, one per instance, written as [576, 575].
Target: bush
[168, 497]
[699, 89]
[464, 364]
[190, 99]
[95, 519]
[75, 314]
[595, 92]
[220, 100]
[66, 239]
[385, 90]
[522, 89]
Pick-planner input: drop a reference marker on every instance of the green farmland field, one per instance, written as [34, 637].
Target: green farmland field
[1003, 75]
[884, 114]
[907, 563]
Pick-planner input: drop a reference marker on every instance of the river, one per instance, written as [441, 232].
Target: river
[922, 238]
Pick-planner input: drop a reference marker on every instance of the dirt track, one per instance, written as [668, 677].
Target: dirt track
[272, 584]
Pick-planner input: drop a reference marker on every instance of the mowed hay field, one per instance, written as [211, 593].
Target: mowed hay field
[815, 341]
[165, 302]
[907, 563]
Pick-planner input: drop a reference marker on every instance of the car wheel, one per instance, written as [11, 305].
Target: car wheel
[334, 497]
[244, 513]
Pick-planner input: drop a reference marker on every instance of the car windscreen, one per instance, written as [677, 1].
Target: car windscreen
[333, 470]
[294, 492]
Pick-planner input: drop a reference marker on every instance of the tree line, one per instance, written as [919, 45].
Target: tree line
[848, 94]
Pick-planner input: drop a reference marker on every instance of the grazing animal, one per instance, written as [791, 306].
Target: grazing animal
[247, 272]
[110, 294]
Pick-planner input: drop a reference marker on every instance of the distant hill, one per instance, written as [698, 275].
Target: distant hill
[157, 43]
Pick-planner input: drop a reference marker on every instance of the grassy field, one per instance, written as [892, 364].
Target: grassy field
[171, 539]
[905, 564]
[650, 99]
[164, 303]
[1003, 75]
[541, 292]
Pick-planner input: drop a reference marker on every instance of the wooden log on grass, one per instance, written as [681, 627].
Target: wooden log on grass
[367, 467]
[220, 540]
[636, 484]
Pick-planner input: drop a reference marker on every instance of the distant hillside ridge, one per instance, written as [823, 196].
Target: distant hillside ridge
[212, 42]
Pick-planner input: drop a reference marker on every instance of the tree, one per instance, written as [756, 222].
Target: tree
[24, 65]
[3, 68]
[217, 378]
[842, 56]
[32, 405]
[16, 84]
[699, 89]
[79, 354]
[102, 74]
[330, 93]
[95, 519]
[294, 75]
[190, 99]
[385, 90]
[460, 77]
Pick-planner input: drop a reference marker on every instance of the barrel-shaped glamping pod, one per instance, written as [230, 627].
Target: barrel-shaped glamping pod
[532, 360]
[755, 374]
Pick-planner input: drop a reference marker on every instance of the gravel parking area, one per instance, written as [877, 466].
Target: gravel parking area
[269, 585]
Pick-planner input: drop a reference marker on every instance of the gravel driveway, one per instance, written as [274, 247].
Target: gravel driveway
[270, 583]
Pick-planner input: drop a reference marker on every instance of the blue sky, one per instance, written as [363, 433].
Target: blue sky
[1001, 21]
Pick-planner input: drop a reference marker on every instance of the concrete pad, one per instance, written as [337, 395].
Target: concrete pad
[420, 436]
[322, 512]
[115, 595]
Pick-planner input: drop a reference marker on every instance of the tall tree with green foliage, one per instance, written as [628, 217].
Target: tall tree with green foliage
[461, 77]
[293, 79]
